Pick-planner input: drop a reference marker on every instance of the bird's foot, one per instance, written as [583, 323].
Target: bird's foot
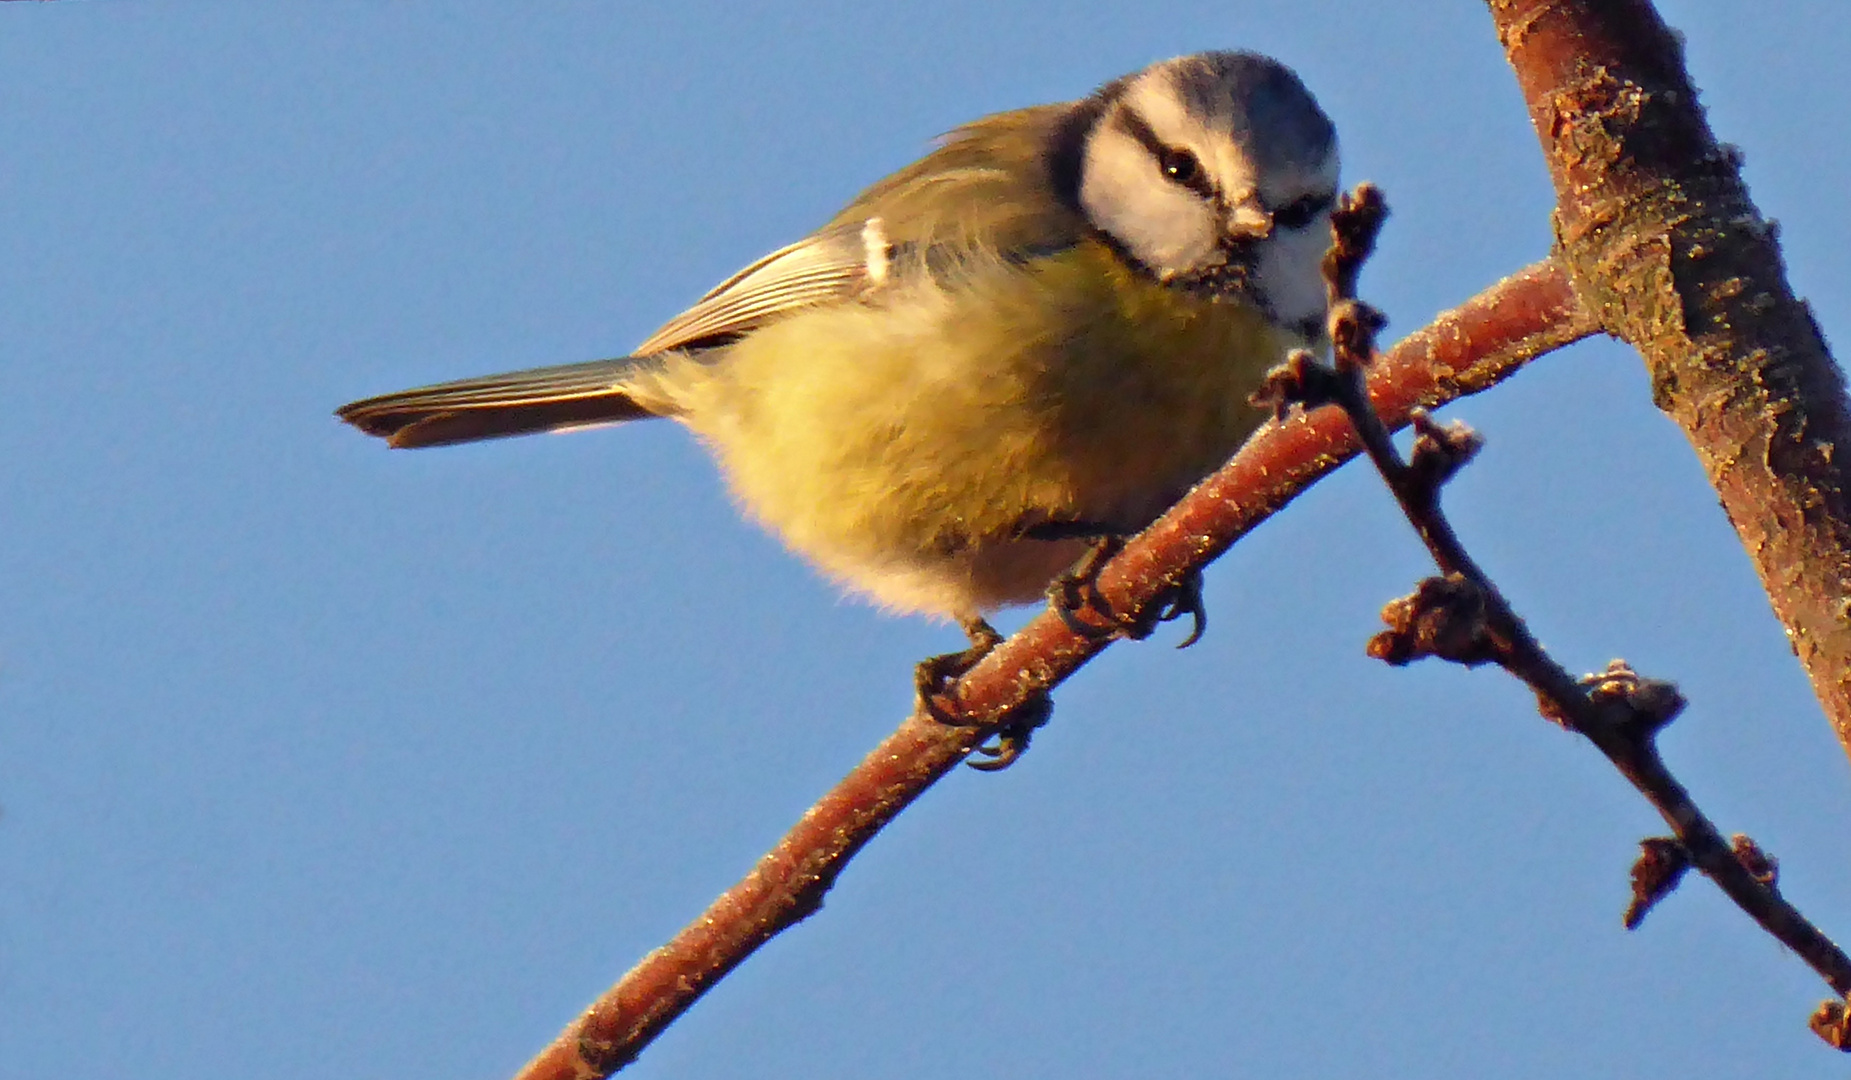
[1078, 590]
[1012, 738]
[933, 681]
[933, 676]
[1182, 598]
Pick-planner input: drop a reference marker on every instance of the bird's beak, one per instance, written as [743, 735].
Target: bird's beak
[1249, 221]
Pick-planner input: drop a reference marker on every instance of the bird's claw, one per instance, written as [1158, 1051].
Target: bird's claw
[1012, 738]
[933, 676]
[1185, 598]
[1078, 589]
[933, 679]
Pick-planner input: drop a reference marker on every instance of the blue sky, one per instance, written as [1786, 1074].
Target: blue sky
[320, 760]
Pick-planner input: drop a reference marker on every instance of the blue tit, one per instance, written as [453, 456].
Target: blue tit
[1046, 329]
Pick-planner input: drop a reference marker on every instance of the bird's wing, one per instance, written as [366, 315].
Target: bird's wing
[836, 263]
[985, 189]
[990, 187]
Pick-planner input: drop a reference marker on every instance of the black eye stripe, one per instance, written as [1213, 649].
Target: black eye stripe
[1301, 212]
[1190, 175]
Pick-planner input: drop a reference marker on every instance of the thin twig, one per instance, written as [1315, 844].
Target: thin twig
[1656, 226]
[1463, 617]
[1463, 351]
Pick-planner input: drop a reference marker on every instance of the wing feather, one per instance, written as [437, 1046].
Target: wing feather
[827, 266]
[494, 406]
[985, 193]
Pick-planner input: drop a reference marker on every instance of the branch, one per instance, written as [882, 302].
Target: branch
[1464, 351]
[1462, 617]
[1657, 231]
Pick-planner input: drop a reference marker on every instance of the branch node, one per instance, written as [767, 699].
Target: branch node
[1661, 865]
[1443, 617]
[1441, 450]
[1764, 868]
[1301, 380]
[1353, 328]
[1831, 1021]
[1649, 704]
[1355, 224]
[1352, 325]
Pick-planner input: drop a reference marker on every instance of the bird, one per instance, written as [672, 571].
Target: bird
[995, 362]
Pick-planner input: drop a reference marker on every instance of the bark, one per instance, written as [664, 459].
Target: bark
[1666, 249]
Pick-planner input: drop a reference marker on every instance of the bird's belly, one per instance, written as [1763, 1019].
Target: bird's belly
[904, 448]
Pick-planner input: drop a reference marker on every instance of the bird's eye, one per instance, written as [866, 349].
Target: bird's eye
[1180, 166]
[1302, 212]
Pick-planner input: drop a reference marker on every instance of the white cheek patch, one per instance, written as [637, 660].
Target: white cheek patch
[1290, 273]
[1291, 265]
[1167, 228]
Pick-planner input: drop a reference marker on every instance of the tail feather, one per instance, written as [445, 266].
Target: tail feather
[496, 406]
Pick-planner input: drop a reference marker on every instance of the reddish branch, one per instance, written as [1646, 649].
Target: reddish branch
[1659, 238]
[1656, 228]
[1464, 351]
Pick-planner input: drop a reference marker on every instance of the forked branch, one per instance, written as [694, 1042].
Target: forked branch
[1656, 228]
[1464, 351]
[1462, 616]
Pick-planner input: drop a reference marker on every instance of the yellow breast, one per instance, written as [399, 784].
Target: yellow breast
[913, 434]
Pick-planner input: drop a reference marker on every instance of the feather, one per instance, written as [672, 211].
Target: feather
[984, 195]
[494, 406]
